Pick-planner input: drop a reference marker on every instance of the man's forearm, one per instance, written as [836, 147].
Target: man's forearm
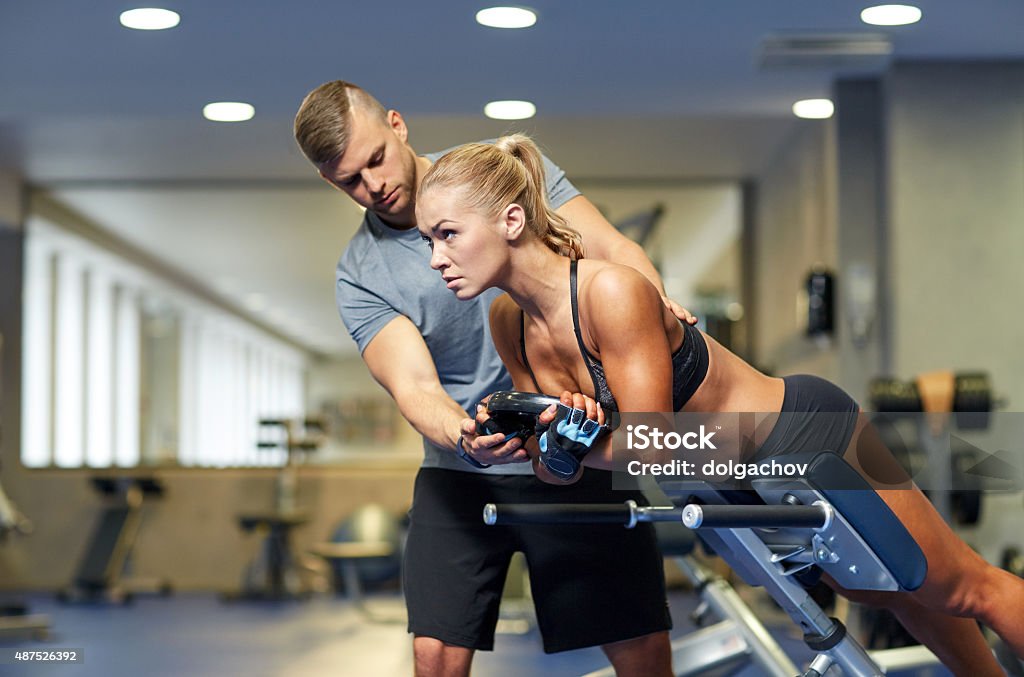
[434, 415]
[399, 360]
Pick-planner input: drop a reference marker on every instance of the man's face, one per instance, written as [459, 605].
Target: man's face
[378, 167]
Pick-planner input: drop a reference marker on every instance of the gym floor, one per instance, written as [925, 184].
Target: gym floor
[197, 634]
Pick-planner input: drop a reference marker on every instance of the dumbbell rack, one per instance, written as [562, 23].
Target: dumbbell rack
[953, 490]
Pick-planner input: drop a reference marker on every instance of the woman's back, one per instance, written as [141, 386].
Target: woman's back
[700, 373]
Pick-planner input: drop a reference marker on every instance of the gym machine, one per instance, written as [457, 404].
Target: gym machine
[103, 570]
[729, 635]
[802, 525]
[780, 536]
[367, 546]
[939, 403]
[275, 573]
[14, 616]
[15, 620]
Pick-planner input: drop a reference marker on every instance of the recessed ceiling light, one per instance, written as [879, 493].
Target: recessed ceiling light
[891, 15]
[510, 110]
[149, 19]
[228, 111]
[813, 109]
[506, 17]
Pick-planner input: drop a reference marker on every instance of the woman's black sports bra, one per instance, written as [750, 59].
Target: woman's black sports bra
[689, 363]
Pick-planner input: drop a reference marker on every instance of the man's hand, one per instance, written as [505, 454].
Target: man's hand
[683, 314]
[490, 449]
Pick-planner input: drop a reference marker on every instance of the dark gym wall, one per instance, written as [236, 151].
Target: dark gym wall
[955, 178]
[955, 139]
[920, 177]
[927, 189]
[12, 217]
[795, 229]
[862, 237]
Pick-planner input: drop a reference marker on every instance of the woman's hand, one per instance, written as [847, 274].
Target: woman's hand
[565, 434]
[575, 401]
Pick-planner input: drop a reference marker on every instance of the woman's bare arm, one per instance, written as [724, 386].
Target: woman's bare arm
[623, 315]
[505, 317]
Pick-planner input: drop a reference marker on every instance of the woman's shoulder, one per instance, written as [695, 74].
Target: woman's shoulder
[506, 319]
[604, 281]
[615, 300]
[504, 304]
[504, 312]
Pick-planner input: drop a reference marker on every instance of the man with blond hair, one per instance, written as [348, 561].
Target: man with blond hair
[592, 585]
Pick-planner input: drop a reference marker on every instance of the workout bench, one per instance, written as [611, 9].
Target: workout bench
[829, 520]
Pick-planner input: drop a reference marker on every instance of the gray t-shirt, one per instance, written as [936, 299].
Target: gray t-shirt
[384, 273]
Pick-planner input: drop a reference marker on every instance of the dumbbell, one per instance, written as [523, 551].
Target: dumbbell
[514, 413]
[972, 398]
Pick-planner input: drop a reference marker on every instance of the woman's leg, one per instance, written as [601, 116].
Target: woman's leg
[956, 641]
[959, 582]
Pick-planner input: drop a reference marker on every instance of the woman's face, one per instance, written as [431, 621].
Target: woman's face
[467, 248]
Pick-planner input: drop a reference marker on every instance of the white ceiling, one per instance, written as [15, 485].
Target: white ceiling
[108, 120]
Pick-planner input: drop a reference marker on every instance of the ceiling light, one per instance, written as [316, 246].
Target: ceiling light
[506, 17]
[510, 110]
[813, 109]
[149, 19]
[891, 15]
[228, 111]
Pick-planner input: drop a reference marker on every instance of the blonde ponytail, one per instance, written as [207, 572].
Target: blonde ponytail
[493, 176]
[551, 228]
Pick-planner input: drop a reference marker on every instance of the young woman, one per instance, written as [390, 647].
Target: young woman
[596, 328]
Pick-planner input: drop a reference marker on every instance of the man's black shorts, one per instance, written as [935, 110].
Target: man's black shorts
[591, 584]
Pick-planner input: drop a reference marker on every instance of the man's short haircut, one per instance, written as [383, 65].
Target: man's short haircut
[323, 123]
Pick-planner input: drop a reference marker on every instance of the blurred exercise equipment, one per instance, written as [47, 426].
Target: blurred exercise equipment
[103, 571]
[943, 401]
[365, 551]
[14, 617]
[275, 574]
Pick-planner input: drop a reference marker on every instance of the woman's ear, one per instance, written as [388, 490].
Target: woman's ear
[513, 221]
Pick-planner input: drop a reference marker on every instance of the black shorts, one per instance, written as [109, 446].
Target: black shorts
[591, 584]
[816, 415]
